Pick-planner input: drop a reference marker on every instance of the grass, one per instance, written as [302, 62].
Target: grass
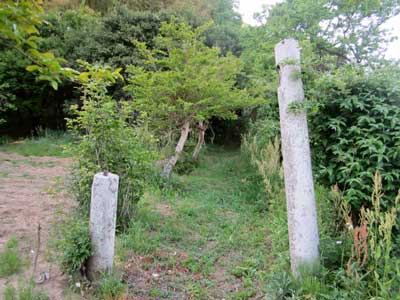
[25, 291]
[49, 143]
[10, 259]
[204, 238]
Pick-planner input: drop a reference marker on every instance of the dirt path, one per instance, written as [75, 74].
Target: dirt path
[31, 190]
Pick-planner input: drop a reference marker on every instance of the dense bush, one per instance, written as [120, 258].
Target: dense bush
[357, 132]
[110, 137]
[357, 261]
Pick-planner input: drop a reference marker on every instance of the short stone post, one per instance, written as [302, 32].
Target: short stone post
[103, 215]
[299, 187]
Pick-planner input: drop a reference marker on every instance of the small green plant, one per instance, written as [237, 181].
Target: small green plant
[9, 293]
[111, 287]
[10, 258]
[71, 243]
[195, 291]
[25, 291]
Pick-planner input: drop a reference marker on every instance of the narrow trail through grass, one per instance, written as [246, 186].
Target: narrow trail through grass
[204, 238]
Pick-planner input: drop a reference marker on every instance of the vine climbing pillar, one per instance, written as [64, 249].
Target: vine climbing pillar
[299, 187]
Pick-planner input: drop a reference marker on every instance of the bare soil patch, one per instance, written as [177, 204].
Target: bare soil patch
[31, 190]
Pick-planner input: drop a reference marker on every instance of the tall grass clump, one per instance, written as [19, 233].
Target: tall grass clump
[10, 259]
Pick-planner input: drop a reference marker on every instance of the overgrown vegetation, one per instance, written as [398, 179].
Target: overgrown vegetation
[137, 78]
[357, 261]
[356, 132]
[190, 83]
[111, 138]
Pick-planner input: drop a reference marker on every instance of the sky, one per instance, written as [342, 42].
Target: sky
[247, 8]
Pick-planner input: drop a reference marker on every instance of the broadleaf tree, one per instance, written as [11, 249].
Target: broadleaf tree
[19, 23]
[185, 84]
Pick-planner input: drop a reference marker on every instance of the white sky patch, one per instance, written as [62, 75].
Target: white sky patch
[247, 8]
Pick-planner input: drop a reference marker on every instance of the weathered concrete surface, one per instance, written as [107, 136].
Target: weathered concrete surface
[103, 215]
[299, 187]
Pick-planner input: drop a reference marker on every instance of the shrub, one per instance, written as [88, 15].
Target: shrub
[10, 259]
[112, 137]
[356, 132]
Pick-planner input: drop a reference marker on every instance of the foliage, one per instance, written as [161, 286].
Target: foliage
[347, 30]
[356, 132]
[188, 85]
[265, 163]
[110, 136]
[381, 266]
[337, 46]
[10, 258]
[18, 29]
[71, 34]
[20, 51]
[225, 31]
[368, 268]
[71, 243]
[371, 271]
[194, 83]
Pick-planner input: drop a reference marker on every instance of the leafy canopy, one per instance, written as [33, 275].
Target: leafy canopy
[184, 80]
[18, 29]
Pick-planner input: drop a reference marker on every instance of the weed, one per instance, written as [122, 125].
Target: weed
[110, 287]
[25, 291]
[10, 259]
[195, 291]
[71, 242]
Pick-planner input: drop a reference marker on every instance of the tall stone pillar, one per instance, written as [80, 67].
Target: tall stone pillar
[299, 187]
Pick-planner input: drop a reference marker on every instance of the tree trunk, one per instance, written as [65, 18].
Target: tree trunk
[202, 127]
[170, 164]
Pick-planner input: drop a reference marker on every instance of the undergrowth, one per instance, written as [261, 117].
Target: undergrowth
[47, 143]
[357, 258]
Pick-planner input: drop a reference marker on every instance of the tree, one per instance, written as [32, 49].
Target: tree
[187, 85]
[226, 30]
[342, 73]
[19, 21]
[349, 30]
